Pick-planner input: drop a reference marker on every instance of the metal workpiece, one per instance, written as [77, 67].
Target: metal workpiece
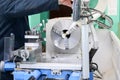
[64, 36]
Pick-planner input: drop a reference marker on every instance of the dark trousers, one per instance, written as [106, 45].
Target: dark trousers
[6, 76]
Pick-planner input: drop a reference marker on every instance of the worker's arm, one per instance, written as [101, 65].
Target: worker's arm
[26, 7]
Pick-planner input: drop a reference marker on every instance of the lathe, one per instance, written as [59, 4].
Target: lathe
[71, 45]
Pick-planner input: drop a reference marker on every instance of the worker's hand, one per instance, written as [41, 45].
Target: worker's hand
[65, 2]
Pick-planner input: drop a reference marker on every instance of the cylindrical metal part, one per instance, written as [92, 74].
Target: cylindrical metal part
[85, 51]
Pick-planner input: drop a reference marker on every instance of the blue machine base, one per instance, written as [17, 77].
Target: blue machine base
[47, 75]
[43, 74]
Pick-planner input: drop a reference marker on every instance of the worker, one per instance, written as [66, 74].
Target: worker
[13, 18]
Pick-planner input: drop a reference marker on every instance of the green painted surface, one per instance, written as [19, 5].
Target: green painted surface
[38, 18]
[44, 16]
[34, 20]
[119, 19]
[93, 3]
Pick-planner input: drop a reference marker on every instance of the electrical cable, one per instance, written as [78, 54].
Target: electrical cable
[90, 12]
[109, 19]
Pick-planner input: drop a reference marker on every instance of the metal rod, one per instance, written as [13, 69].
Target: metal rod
[85, 51]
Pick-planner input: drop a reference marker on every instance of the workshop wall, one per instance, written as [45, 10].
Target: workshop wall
[119, 19]
[113, 11]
